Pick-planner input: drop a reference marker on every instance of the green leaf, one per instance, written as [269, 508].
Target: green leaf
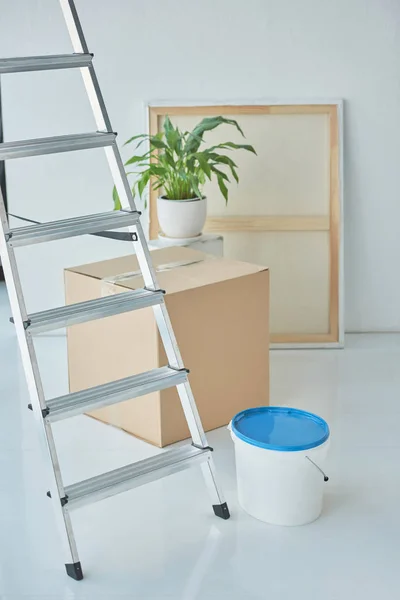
[201, 177]
[172, 135]
[167, 125]
[223, 188]
[207, 124]
[136, 137]
[137, 159]
[179, 144]
[190, 138]
[210, 123]
[222, 159]
[235, 175]
[157, 144]
[157, 186]
[140, 166]
[195, 185]
[158, 170]
[116, 200]
[203, 163]
[155, 141]
[168, 158]
[142, 183]
[146, 139]
[219, 173]
[234, 147]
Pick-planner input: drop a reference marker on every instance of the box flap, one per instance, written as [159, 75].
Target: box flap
[177, 269]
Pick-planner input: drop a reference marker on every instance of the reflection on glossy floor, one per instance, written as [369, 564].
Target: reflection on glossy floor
[162, 541]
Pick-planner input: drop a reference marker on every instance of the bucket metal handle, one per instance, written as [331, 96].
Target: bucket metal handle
[326, 478]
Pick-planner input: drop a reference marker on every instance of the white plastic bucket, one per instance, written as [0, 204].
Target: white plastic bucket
[279, 465]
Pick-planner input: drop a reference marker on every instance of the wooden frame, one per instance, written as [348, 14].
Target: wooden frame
[333, 223]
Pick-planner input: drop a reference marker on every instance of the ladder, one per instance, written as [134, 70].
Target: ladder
[47, 411]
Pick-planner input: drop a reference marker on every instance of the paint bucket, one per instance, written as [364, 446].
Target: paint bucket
[280, 454]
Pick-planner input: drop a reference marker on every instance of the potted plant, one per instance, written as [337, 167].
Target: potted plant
[177, 164]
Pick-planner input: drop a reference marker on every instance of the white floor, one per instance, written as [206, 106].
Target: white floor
[162, 541]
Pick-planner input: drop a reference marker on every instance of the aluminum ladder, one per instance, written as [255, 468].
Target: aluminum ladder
[47, 411]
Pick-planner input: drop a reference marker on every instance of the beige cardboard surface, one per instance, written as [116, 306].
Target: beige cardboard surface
[197, 269]
[222, 332]
[219, 311]
[110, 349]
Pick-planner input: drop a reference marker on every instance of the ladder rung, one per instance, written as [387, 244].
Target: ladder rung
[134, 475]
[56, 230]
[77, 403]
[53, 145]
[90, 310]
[20, 64]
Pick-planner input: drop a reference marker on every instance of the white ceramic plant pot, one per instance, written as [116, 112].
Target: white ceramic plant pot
[182, 218]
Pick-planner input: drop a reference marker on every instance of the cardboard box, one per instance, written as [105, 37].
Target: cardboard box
[219, 311]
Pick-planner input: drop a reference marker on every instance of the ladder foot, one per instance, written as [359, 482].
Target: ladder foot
[74, 570]
[221, 510]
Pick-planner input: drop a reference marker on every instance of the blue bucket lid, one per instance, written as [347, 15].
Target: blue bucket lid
[277, 428]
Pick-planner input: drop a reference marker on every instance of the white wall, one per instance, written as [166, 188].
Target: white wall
[215, 49]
